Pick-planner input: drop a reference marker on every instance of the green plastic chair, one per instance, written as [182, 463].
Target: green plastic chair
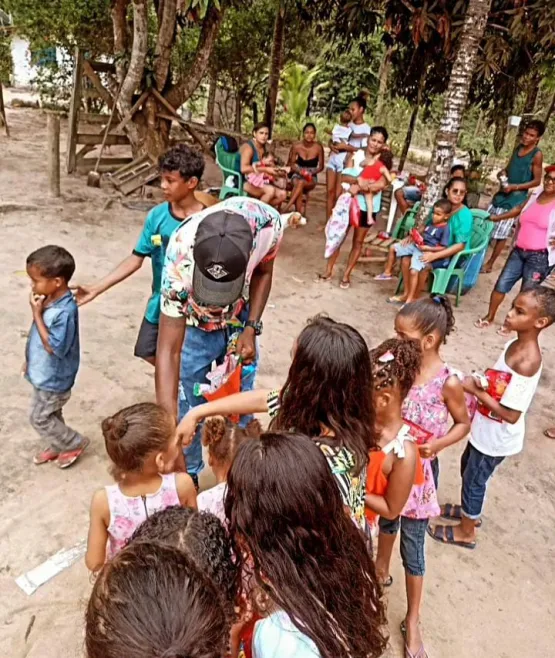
[229, 166]
[406, 223]
[441, 277]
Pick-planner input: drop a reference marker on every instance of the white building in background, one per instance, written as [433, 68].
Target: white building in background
[23, 71]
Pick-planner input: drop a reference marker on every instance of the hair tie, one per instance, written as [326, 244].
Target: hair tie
[386, 357]
[437, 299]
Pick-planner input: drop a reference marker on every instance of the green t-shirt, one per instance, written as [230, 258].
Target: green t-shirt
[160, 223]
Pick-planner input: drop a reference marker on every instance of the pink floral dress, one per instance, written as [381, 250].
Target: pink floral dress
[128, 512]
[425, 406]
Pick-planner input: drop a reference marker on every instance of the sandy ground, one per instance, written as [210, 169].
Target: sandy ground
[497, 601]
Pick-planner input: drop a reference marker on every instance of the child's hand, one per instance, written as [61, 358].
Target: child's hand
[470, 386]
[37, 303]
[84, 294]
[187, 428]
[427, 258]
[428, 450]
[405, 242]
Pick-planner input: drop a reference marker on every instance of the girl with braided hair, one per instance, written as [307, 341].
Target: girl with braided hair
[436, 404]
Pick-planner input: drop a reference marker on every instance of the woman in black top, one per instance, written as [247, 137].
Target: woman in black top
[306, 159]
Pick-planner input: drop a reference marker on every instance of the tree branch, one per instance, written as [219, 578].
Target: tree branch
[119, 22]
[138, 54]
[164, 42]
[183, 89]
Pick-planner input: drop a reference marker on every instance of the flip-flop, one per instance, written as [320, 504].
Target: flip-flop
[504, 333]
[482, 323]
[444, 535]
[383, 277]
[454, 512]
[421, 653]
[345, 285]
[321, 278]
[388, 581]
[549, 432]
[395, 300]
[66, 459]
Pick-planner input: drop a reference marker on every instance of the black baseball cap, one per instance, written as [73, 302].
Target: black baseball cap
[222, 249]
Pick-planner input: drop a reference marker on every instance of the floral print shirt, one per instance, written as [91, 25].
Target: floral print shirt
[177, 276]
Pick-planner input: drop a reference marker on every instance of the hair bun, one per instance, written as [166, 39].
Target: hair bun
[115, 427]
[214, 430]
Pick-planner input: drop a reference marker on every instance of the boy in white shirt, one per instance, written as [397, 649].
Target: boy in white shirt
[340, 135]
[498, 427]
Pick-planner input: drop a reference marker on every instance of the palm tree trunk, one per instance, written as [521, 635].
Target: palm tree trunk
[383, 76]
[529, 105]
[276, 57]
[211, 103]
[455, 103]
[549, 110]
[238, 113]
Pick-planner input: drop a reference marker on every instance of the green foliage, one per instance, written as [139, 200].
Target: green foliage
[54, 82]
[63, 23]
[6, 64]
[296, 85]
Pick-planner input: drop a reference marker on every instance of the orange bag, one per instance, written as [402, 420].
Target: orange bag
[231, 386]
[354, 213]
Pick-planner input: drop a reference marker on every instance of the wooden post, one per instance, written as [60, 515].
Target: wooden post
[73, 123]
[53, 129]
[3, 120]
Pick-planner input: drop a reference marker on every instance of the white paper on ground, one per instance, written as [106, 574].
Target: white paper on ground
[32, 580]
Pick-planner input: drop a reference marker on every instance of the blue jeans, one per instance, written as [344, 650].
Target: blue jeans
[200, 350]
[530, 266]
[476, 470]
[413, 535]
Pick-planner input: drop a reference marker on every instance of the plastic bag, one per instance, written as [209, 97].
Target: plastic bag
[354, 213]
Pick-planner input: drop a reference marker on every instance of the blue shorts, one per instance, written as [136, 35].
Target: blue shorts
[412, 193]
[530, 266]
[413, 535]
[414, 252]
[476, 470]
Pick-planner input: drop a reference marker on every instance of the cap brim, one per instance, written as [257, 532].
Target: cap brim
[207, 292]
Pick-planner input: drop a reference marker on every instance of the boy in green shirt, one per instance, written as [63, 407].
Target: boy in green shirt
[181, 169]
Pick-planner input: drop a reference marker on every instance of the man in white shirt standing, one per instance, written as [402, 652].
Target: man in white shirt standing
[498, 427]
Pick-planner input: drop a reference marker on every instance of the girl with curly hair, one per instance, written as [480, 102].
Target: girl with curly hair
[316, 578]
[143, 446]
[327, 396]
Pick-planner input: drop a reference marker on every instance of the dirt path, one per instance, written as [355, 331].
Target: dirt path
[495, 602]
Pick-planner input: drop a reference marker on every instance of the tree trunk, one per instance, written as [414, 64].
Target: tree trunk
[255, 112]
[211, 104]
[238, 113]
[276, 57]
[529, 105]
[455, 103]
[153, 133]
[412, 122]
[164, 42]
[383, 76]
[549, 110]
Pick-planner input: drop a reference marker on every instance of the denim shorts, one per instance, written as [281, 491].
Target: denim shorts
[530, 266]
[415, 254]
[413, 535]
[476, 470]
[412, 193]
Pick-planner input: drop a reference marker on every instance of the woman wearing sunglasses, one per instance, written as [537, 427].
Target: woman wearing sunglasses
[529, 258]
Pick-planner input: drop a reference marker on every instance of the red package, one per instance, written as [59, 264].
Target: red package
[498, 381]
[354, 213]
[418, 239]
[231, 386]
[421, 435]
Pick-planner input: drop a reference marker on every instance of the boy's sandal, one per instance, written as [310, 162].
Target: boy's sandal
[66, 459]
[454, 512]
[549, 432]
[444, 534]
[383, 277]
[482, 323]
[45, 456]
[503, 332]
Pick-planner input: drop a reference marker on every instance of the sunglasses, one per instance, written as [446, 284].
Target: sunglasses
[549, 179]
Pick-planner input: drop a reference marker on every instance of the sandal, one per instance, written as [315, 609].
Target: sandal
[454, 512]
[383, 277]
[503, 332]
[66, 459]
[421, 653]
[395, 300]
[345, 285]
[549, 432]
[444, 534]
[45, 456]
[482, 323]
[322, 278]
[388, 581]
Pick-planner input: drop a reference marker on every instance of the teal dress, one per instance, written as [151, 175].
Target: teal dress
[519, 171]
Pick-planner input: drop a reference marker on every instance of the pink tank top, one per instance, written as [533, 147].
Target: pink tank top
[127, 513]
[534, 224]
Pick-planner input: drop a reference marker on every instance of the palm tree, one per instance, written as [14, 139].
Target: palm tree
[296, 86]
[455, 103]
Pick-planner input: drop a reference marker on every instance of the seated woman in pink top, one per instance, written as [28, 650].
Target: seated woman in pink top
[528, 261]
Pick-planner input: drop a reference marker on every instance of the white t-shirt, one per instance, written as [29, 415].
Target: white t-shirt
[498, 438]
[359, 135]
[277, 637]
[341, 134]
